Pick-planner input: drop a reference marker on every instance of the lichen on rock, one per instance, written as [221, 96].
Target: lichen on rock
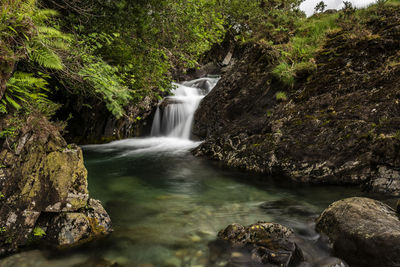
[42, 178]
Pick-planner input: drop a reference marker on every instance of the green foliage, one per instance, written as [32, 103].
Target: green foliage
[38, 232]
[107, 83]
[124, 51]
[26, 90]
[3, 229]
[298, 54]
[348, 9]
[44, 57]
[320, 7]
[27, 35]
[255, 20]
[281, 96]
[11, 131]
[284, 72]
[43, 46]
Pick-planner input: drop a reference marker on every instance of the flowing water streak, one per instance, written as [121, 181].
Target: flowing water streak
[174, 115]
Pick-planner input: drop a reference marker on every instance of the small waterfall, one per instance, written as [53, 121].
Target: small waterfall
[174, 115]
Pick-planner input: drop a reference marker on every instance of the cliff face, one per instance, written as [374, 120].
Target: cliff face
[43, 185]
[338, 126]
[93, 123]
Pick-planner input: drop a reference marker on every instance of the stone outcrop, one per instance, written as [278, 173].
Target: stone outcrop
[364, 232]
[339, 124]
[43, 185]
[261, 244]
[93, 123]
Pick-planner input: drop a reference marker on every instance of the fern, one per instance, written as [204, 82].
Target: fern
[106, 83]
[45, 57]
[41, 15]
[25, 88]
[50, 32]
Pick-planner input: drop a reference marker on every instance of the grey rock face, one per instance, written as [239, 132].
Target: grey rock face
[332, 129]
[364, 232]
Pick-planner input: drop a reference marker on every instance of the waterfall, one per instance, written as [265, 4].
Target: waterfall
[174, 115]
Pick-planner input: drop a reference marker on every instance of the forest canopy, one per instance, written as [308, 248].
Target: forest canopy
[122, 51]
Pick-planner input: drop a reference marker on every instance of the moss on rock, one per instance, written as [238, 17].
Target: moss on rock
[44, 175]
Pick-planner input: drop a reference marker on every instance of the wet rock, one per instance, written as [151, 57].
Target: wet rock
[44, 177]
[94, 123]
[364, 232]
[261, 244]
[167, 102]
[72, 228]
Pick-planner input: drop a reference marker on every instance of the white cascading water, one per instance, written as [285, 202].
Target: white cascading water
[174, 115]
[172, 123]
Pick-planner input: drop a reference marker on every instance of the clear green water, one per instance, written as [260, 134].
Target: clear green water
[166, 205]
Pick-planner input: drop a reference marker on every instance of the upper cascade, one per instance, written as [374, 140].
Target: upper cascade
[174, 115]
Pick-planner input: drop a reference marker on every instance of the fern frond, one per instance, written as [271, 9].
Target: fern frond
[26, 79]
[3, 109]
[45, 57]
[42, 15]
[12, 102]
[50, 32]
[58, 44]
[24, 88]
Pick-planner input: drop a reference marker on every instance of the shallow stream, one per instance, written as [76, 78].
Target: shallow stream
[167, 206]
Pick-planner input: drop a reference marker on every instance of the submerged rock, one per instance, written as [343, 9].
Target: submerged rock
[43, 178]
[261, 244]
[364, 232]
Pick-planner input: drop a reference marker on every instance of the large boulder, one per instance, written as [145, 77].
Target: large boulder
[41, 178]
[261, 244]
[363, 231]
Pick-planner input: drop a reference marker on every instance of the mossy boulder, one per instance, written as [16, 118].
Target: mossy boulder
[41, 177]
[363, 231]
[67, 229]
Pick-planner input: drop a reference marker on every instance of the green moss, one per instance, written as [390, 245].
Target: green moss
[281, 96]
[38, 232]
